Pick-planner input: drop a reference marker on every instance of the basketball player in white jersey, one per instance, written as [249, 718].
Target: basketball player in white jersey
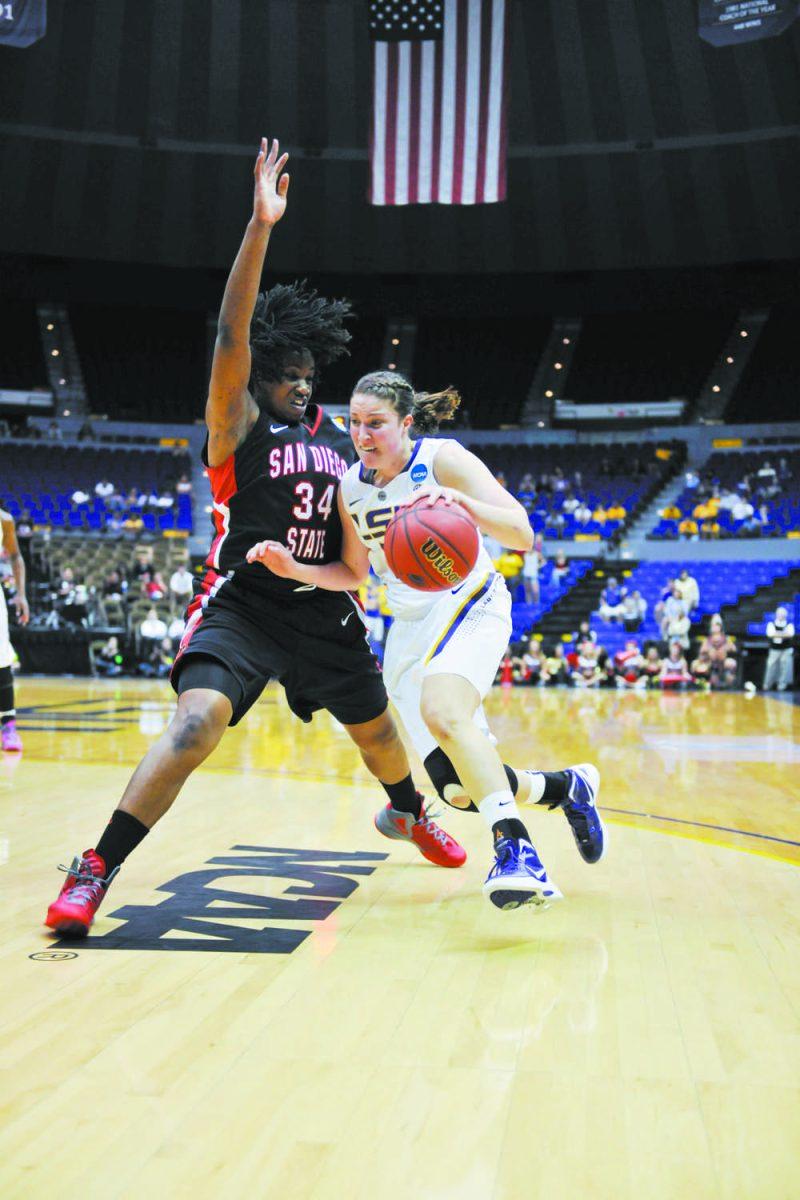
[443, 649]
[9, 737]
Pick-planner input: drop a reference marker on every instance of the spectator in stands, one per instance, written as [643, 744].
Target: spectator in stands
[651, 667]
[114, 587]
[66, 584]
[164, 499]
[611, 601]
[741, 510]
[767, 477]
[780, 659]
[107, 660]
[560, 568]
[135, 500]
[709, 530]
[184, 485]
[154, 587]
[152, 628]
[571, 503]
[706, 509]
[501, 479]
[671, 513]
[701, 670]
[133, 523]
[727, 500]
[600, 515]
[674, 669]
[25, 526]
[588, 672]
[143, 566]
[157, 663]
[616, 512]
[784, 472]
[54, 431]
[584, 633]
[79, 496]
[678, 628]
[688, 530]
[722, 652]
[556, 668]
[628, 665]
[671, 607]
[533, 663]
[86, 432]
[181, 583]
[582, 514]
[104, 488]
[510, 565]
[691, 480]
[664, 595]
[634, 608]
[530, 575]
[688, 590]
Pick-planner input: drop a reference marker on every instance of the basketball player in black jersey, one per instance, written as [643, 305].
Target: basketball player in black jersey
[274, 461]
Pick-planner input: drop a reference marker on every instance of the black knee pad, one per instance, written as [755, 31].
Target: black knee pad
[443, 776]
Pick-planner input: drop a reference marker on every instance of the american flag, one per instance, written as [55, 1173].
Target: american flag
[438, 101]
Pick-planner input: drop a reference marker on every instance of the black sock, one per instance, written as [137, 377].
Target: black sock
[556, 787]
[121, 835]
[403, 796]
[510, 828]
[6, 695]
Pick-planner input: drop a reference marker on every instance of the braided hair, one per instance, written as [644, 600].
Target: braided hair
[428, 409]
[291, 320]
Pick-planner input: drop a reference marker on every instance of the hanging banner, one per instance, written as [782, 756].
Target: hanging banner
[732, 22]
[22, 22]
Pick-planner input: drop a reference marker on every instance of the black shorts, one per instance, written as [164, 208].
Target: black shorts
[314, 643]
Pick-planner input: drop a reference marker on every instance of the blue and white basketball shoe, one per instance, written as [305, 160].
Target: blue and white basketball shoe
[580, 809]
[518, 876]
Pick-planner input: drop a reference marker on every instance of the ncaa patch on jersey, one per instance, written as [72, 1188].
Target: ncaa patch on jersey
[340, 421]
[419, 472]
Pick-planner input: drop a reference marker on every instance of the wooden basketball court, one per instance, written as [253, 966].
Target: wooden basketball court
[276, 1002]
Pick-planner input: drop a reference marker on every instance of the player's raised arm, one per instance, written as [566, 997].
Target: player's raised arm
[231, 410]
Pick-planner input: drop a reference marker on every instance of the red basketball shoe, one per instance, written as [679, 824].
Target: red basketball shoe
[79, 899]
[433, 842]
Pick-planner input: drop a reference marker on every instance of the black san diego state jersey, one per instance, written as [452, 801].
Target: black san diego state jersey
[279, 484]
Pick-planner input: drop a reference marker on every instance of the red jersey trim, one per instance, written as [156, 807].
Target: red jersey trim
[223, 479]
[312, 429]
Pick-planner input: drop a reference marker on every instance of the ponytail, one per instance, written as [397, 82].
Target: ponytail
[431, 408]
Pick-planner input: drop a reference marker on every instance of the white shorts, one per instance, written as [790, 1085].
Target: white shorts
[466, 633]
[6, 653]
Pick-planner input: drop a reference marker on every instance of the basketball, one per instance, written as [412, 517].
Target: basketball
[432, 547]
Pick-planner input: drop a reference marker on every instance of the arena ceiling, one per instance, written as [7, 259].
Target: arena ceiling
[128, 135]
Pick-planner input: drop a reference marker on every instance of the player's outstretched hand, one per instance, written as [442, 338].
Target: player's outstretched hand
[275, 558]
[269, 195]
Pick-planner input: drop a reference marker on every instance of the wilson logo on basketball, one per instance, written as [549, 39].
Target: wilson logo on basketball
[440, 561]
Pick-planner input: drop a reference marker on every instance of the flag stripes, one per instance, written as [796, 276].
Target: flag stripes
[438, 115]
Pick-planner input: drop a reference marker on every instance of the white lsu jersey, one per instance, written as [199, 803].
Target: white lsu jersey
[372, 507]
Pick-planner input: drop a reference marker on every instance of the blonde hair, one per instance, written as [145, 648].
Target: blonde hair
[428, 409]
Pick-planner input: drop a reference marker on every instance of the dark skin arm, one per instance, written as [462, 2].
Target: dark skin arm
[11, 545]
[231, 411]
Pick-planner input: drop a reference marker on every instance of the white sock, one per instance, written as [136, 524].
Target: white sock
[498, 806]
[536, 779]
